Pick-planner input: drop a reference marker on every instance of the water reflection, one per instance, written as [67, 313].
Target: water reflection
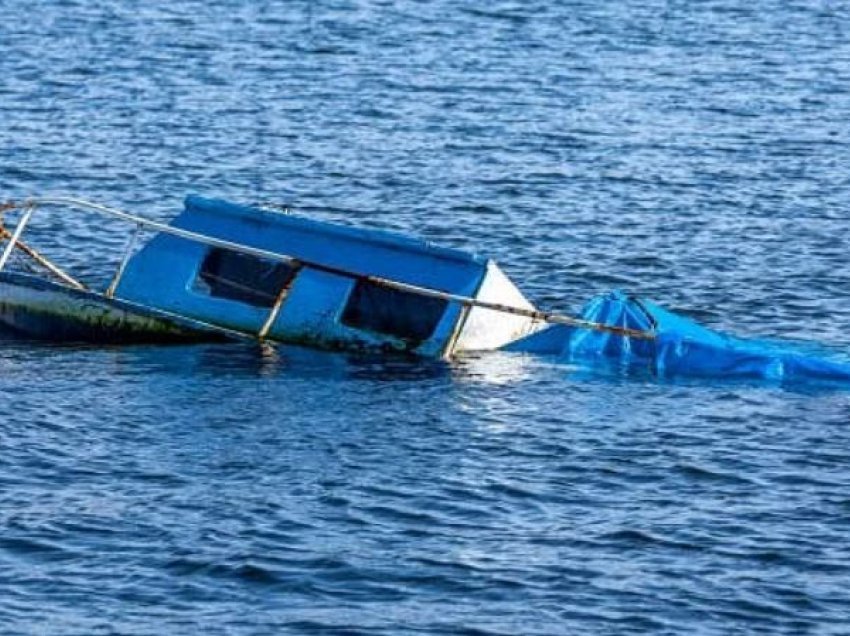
[496, 368]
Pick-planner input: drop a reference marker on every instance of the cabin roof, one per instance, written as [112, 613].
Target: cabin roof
[229, 213]
[357, 250]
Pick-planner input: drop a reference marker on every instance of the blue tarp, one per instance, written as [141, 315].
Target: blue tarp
[681, 347]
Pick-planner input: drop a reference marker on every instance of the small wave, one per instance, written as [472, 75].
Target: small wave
[640, 538]
[510, 16]
[37, 549]
[701, 473]
[244, 572]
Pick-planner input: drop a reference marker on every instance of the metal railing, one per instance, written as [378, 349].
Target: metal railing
[29, 206]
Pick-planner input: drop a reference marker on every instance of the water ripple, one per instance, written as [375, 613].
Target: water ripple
[694, 153]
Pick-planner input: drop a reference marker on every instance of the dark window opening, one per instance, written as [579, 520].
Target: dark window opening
[390, 311]
[245, 278]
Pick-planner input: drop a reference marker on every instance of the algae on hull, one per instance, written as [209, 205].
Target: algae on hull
[47, 310]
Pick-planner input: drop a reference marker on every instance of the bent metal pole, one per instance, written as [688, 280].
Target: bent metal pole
[36, 256]
[42, 260]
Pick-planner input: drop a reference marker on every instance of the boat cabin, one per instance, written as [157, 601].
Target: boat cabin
[327, 291]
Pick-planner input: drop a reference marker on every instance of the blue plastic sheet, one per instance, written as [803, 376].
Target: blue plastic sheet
[681, 347]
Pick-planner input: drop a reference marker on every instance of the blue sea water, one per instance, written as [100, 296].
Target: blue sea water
[692, 152]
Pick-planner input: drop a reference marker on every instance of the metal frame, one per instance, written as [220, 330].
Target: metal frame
[29, 207]
[29, 210]
[128, 252]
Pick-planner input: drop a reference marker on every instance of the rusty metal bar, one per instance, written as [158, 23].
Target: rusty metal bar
[128, 252]
[273, 314]
[43, 261]
[278, 305]
[460, 323]
[544, 316]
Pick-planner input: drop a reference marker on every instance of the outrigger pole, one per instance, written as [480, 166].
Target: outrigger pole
[29, 206]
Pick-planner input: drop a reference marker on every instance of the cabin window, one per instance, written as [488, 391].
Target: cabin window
[393, 312]
[244, 278]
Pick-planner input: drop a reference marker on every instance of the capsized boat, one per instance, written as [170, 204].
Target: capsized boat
[221, 270]
[245, 271]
